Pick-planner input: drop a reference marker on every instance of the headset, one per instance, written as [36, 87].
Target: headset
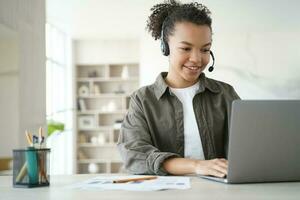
[164, 46]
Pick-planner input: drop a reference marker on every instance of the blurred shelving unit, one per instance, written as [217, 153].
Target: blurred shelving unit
[102, 96]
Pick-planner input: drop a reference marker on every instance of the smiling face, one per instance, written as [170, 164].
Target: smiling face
[189, 53]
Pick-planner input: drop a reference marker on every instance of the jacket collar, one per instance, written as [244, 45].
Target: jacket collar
[161, 86]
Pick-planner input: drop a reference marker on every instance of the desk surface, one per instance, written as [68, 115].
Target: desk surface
[200, 189]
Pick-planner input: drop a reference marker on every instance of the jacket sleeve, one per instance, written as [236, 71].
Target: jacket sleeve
[135, 143]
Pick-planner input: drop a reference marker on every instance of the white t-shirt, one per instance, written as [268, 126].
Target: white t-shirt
[192, 141]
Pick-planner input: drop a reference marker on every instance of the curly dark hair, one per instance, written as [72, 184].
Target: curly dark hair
[165, 15]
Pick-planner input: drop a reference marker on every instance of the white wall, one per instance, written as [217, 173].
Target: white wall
[9, 90]
[27, 20]
[152, 62]
[106, 51]
[256, 45]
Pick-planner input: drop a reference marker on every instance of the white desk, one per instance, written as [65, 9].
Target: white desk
[200, 189]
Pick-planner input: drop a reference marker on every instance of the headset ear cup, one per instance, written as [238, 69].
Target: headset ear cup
[164, 48]
[167, 50]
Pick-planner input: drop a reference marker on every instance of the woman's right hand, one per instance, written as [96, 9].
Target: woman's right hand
[215, 167]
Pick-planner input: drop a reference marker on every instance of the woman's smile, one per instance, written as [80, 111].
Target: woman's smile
[193, 68]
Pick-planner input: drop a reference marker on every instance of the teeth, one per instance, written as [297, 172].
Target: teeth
[193, 68]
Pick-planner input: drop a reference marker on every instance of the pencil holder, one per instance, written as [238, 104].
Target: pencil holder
[31, 167]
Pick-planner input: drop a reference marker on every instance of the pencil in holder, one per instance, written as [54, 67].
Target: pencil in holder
[31, 167]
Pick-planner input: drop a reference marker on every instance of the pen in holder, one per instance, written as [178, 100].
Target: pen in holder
[31, 167]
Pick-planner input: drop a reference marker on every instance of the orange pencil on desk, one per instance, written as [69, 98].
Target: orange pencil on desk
[135, 179]
[28, 137]
[23, 170]
[40, 136]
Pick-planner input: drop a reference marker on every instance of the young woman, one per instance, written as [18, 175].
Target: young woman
[179, 124]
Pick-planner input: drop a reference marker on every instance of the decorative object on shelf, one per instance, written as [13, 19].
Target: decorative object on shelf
[81, 155]
[83, 90]
[111, 106]
[104, 109]
[82, 106]
[86, 122]
[125, 72]
[94, 140]
[101, 138]
[118, 123]
[96, 89]
[93, 74]
[120, 90]
[82, 138]
[93, 168]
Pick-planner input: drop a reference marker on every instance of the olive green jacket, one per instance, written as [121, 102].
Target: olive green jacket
[153, 128]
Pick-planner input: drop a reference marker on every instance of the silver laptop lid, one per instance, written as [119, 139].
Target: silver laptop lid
[264, 141]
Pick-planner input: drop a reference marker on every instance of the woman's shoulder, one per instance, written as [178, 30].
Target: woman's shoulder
[222, 87]
[144, 92]
[219, 84]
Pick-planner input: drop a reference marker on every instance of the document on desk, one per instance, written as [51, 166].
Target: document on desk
[159, 183]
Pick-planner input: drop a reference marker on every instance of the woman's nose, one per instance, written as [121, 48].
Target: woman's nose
[195, 57]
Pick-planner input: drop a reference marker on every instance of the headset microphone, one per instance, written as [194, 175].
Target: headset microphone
[211, 68]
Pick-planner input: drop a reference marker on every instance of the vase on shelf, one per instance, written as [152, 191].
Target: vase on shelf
[125, 72]
[93, 168]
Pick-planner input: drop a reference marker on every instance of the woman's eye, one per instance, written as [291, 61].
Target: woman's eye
[185, 48]
[205, 50]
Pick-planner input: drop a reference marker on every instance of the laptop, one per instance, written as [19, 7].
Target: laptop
[264, 142]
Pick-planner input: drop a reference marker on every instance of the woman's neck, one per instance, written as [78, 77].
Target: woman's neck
[178, 82]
